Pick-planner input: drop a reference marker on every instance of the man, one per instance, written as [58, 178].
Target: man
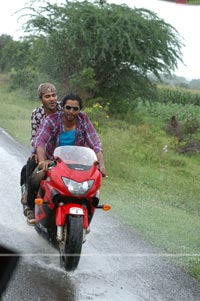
[49, 105]
[67, 127]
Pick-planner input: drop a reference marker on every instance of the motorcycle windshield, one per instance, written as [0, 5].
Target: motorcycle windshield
[76, 157]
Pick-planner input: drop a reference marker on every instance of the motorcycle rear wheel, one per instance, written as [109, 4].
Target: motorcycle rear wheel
[70, 248]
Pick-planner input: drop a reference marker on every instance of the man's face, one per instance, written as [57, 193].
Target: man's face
[49, 101]
[71, 110]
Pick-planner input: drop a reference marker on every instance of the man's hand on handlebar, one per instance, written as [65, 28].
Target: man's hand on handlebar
[43, 165]
[102, 169]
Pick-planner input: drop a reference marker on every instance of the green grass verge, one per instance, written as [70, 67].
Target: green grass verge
[15, 112]
[158, 220]
[154, 192]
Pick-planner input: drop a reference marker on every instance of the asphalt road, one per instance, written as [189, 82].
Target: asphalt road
[115, 264]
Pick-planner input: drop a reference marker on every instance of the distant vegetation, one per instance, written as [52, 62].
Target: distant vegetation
[175, 94]
[176, 81]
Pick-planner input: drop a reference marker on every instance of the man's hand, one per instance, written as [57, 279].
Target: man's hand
[102, 169]
[43, 165]
[101, 166]
[35, 157]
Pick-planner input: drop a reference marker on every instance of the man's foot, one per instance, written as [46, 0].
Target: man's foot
[25, 209]
[85, 232]
[31, 217]
[84, 236]
[24, 196]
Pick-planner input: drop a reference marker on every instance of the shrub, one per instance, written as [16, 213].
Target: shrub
[98, 114]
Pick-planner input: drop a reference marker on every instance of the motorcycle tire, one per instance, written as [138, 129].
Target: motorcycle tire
[70, 248]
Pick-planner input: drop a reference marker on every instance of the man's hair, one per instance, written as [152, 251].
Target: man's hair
[45, 88]
[73, 96]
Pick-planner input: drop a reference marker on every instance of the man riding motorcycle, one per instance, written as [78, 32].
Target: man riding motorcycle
[67, 127]
[49, 104]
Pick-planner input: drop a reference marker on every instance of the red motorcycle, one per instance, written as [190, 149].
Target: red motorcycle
[67, 199]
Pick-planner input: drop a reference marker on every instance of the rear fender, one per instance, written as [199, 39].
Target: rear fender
[72, 209]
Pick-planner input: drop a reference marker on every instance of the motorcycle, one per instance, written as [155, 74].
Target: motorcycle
[67, 199]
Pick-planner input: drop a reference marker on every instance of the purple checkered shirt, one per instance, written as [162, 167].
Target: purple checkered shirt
[52, 126]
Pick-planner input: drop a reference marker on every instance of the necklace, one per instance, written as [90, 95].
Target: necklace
[69, 128]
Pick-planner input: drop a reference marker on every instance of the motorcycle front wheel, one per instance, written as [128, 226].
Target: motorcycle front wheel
[71, 246]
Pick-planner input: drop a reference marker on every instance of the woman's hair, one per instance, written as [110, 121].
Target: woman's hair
[73, 96]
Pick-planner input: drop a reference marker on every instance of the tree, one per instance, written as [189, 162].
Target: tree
[4, 41]
[121, 45]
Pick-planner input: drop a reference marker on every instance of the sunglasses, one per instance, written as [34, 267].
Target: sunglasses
[69, 108]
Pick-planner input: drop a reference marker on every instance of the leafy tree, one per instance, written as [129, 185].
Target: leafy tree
[20, 60]
[4, 41]
[14, 54]
[119, 46]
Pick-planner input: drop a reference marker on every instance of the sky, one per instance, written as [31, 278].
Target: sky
[185, 18]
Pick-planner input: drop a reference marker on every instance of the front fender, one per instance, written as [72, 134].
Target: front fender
[72, 209]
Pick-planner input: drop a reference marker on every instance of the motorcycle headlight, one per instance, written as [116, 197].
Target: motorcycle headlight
[78, 188]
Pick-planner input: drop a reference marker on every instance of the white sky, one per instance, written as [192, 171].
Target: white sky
[185, 18]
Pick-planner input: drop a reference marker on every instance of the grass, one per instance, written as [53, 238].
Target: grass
[15, 112]
[157, 218]
[154, 192]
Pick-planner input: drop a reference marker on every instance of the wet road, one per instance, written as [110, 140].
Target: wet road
[115, 265]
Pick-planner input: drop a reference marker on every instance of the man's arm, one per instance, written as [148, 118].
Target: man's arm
[94, 142]
[41, 141]
[36, 118]
[91, 136]
[101, 163]
[41, 155]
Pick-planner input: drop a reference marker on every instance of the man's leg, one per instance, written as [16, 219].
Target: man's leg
[30, 166]
[23, 185]
[23, 175]
[31, 195]
[33, 185]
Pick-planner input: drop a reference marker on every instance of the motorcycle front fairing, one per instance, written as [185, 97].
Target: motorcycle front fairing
[74, 178]
[74, 182]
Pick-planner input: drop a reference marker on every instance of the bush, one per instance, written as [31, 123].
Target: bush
[98, 114]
